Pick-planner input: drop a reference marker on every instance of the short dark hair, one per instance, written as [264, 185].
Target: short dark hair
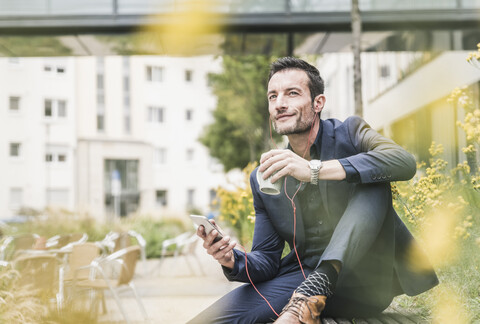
[315, 81]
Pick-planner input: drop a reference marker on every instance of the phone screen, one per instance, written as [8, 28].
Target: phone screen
[202, 220]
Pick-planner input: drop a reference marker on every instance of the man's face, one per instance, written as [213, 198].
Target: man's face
[289, 102]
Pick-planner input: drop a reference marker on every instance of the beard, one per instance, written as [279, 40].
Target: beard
[300, 127]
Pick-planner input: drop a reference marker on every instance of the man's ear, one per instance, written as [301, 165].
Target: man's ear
[319, 103]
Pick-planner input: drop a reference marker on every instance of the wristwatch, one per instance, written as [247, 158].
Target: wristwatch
[315, 166]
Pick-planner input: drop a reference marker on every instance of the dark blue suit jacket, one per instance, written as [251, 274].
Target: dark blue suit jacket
[369, 238]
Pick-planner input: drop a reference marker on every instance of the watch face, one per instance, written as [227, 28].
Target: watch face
[315, 164]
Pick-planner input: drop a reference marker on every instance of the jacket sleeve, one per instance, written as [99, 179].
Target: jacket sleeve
[378, 158]
[267, 246]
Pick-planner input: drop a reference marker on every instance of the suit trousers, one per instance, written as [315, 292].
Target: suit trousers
[244, 305]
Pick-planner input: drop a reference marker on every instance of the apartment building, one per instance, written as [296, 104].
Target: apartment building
[107, 136]
[38, 127]
[405, 96]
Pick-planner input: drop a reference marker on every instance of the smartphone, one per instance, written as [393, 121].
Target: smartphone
[202, 220]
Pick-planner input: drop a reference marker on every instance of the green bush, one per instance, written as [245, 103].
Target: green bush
[155, 231]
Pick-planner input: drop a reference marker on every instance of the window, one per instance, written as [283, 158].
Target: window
[154, 73]
[56, 154]
[15, 149]
[188, 75]
[62, 108]
[14, 104]
[100, 97]
[190, 197]
[189, 114]
[100, 122]
[16, 198]
[161, 198]
[160, 156]
[55, 108]
[126, 83]
[127, 124]
[100, 81]
[48, 108]
[190, 154]
[52, 68]
[384, 71]
[58, 197]
[156, 114]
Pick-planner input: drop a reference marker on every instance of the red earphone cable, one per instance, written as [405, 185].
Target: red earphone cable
[248, 275]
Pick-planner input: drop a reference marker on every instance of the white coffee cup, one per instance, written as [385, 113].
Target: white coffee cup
[266, 185]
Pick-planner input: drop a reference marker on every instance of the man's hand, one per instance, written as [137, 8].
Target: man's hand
[284, 162]
[221, 250]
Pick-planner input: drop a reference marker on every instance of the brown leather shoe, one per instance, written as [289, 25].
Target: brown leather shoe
[307, 309]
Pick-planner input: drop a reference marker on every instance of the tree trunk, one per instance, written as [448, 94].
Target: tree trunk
[356, 47]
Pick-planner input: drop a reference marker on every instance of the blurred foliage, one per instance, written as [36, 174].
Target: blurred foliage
[474, 57]
[154, 231]
[28, 46]
[240, 130]
[53, 222]
[463, 98]
[236, 207]
[18, 304]
[441, 205]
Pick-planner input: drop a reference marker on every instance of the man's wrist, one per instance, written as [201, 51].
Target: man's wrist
[230, 264]
[315, 166]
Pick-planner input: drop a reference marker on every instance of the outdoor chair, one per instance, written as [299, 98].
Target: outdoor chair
[39, 272]
[115, 241]
[11, 245]
[81, 256]
[181, 245]
[66, 240]
[103, 278]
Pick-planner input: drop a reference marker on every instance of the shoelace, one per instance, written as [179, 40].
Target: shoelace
[295, 306]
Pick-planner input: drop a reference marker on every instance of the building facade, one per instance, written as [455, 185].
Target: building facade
[405, 96]
[107, 136]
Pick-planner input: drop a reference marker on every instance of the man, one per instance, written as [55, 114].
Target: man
[336, 204]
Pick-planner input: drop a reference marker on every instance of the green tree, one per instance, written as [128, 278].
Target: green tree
[240, 131]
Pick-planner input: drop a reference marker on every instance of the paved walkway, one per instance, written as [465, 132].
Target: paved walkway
[170, 291]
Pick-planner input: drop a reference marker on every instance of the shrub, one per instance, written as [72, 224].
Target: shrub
[236, 208]
[442, 206]
[18, 304]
